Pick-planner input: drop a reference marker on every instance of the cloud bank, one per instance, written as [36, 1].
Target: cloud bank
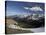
[34, 8]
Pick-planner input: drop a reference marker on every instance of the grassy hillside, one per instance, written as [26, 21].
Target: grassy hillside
[14, 31]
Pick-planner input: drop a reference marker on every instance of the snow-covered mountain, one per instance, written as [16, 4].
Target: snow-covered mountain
[28, 17]
[33, 16]
[37, 16]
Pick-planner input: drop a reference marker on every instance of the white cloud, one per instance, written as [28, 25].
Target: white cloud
[26, 8]
[34, 8]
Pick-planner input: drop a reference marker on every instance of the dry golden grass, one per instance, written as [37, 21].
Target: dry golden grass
[10, 21]
[14, 31]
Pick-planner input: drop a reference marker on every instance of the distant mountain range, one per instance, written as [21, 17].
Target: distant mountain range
[33, 16]
[29, 21]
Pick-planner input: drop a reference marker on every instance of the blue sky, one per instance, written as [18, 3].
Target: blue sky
[16, 8]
